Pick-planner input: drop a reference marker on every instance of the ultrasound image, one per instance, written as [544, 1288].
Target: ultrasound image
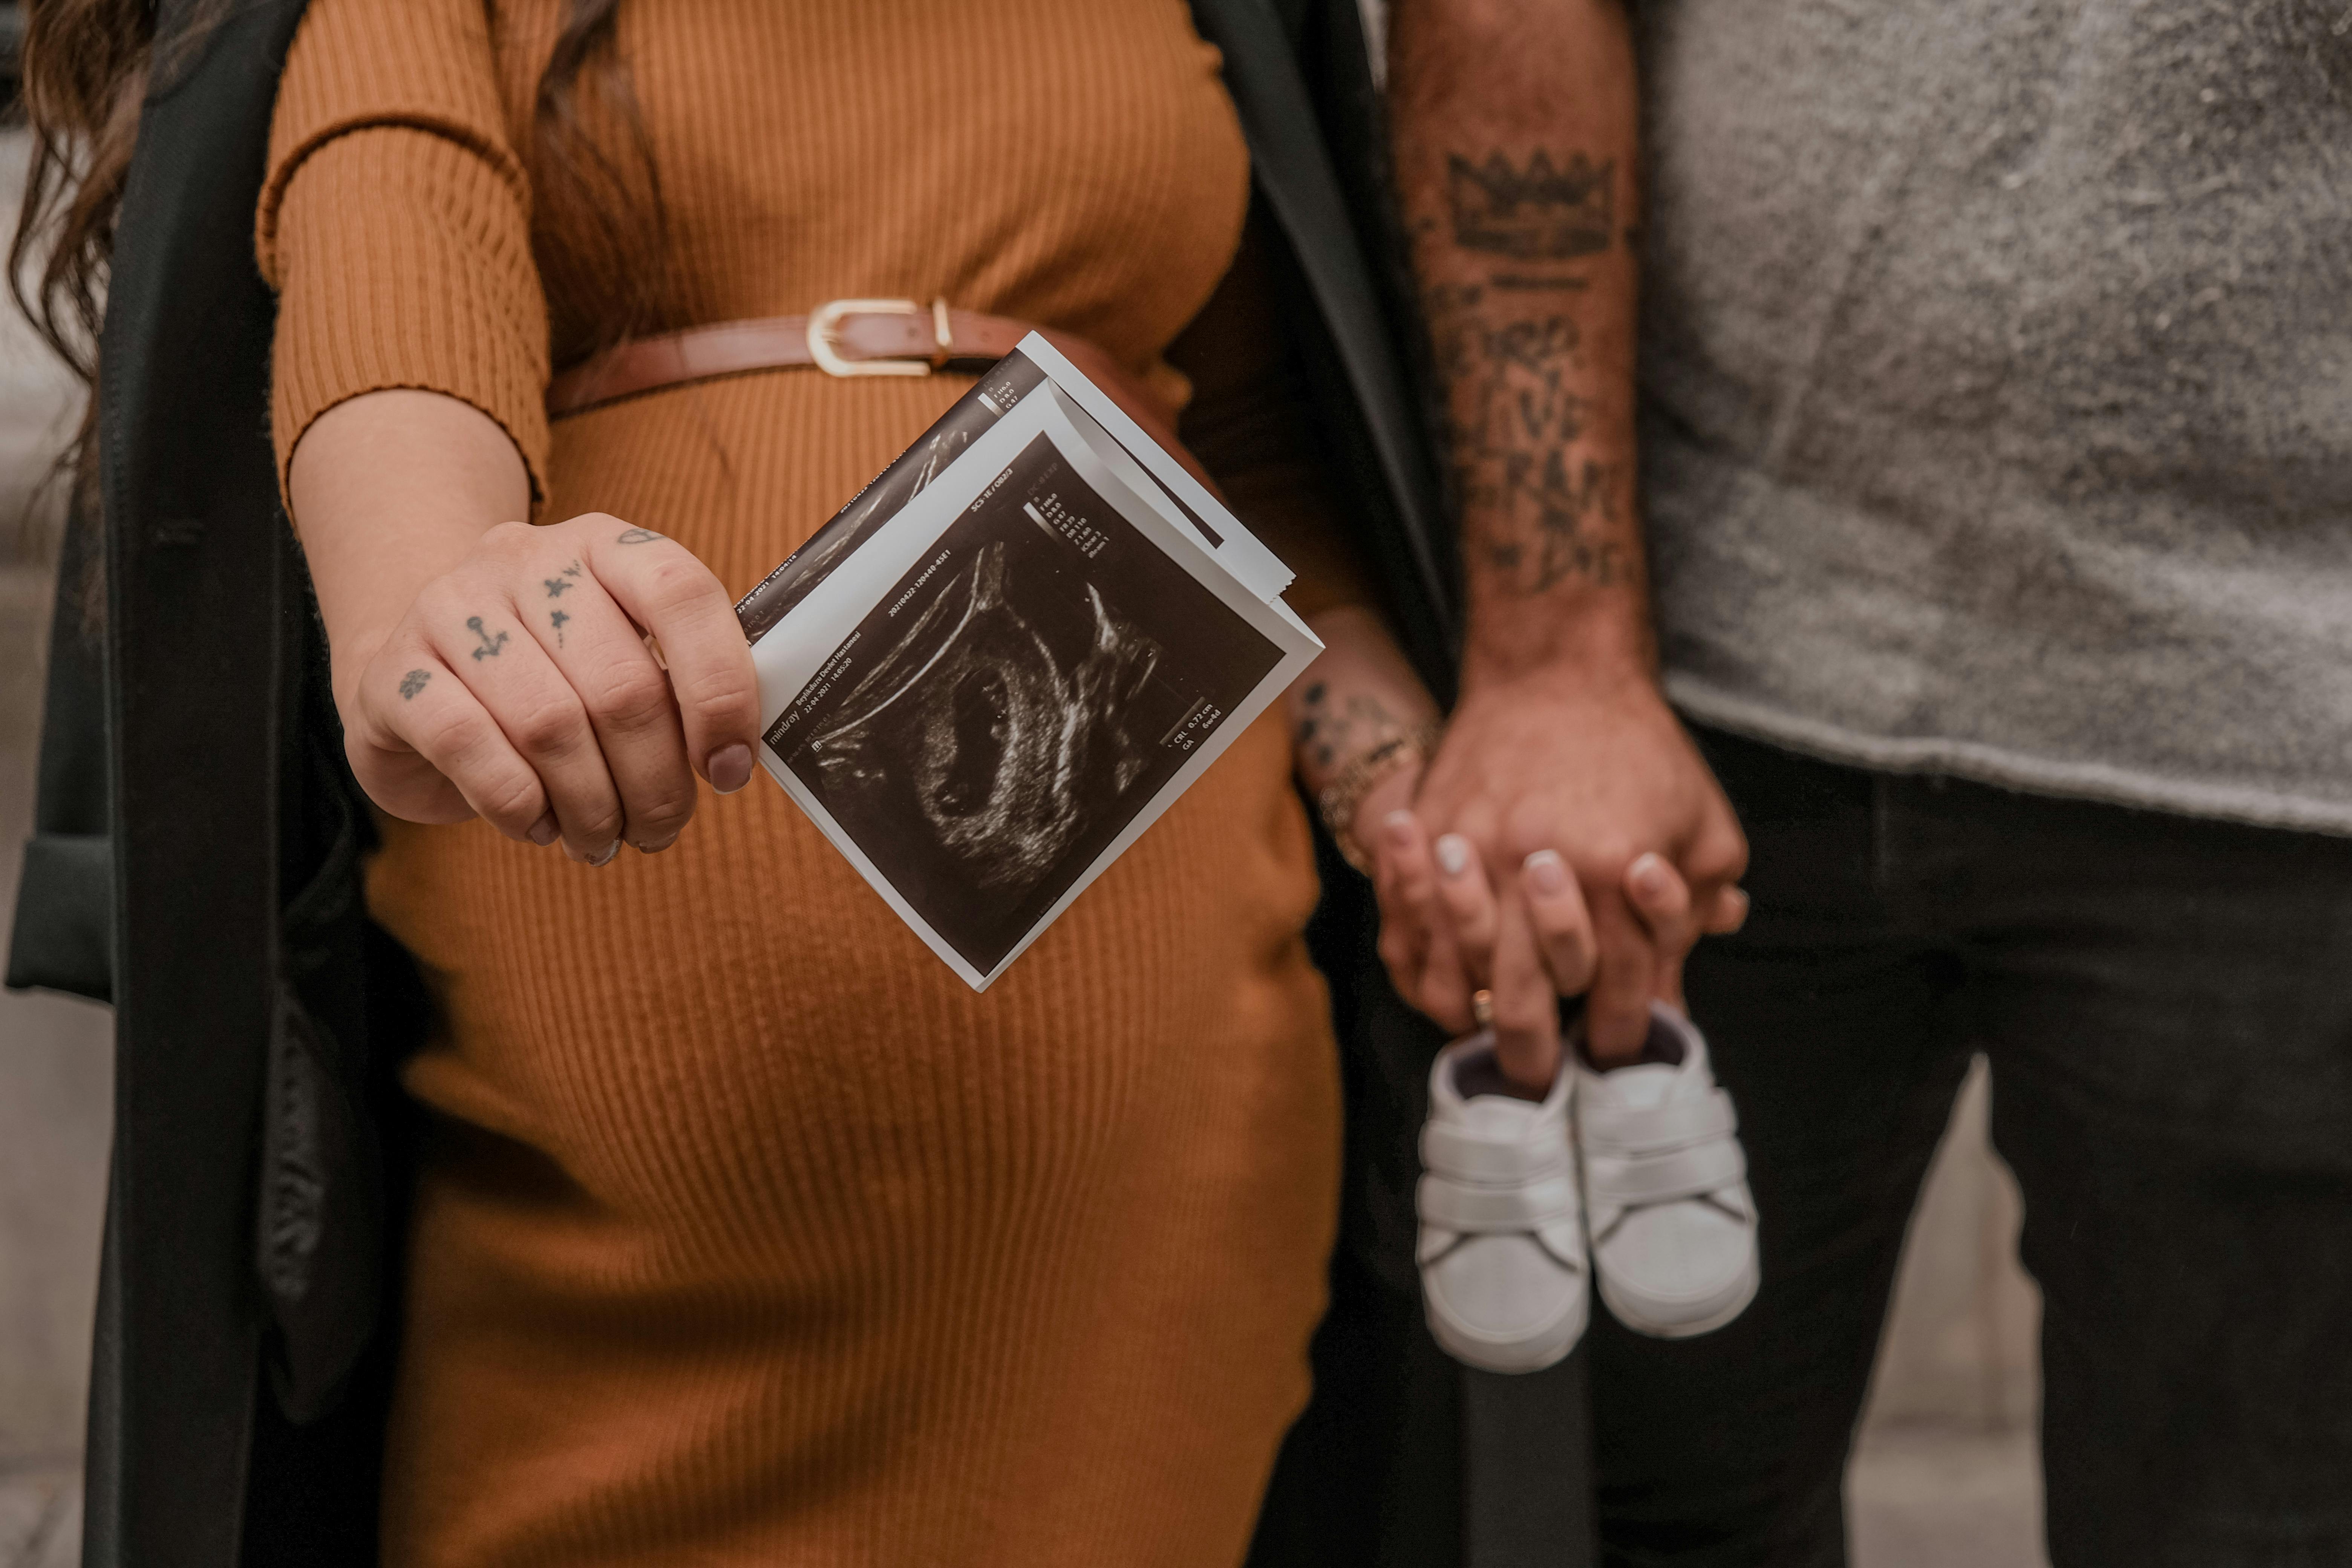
[1006, 743]
[1015, 700]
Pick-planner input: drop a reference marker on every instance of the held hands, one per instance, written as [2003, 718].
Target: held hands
[520, 688]
[1566, 838]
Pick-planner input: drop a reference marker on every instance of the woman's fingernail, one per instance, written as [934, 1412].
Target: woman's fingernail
[606, 857]
[1453, 855]
[730, 768]
[1399, 827]
[657, 845]
[1547, 873]
[1648, 875]
[543, 832]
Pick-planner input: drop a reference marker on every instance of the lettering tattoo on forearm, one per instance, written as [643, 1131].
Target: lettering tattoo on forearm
[1511, 349]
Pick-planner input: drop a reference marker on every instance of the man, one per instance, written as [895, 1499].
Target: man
[1518, 164]
[1996, 411]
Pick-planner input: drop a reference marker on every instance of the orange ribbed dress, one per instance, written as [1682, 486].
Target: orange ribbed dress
[748, 1233]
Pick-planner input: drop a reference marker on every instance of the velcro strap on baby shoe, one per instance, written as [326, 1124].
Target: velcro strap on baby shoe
[1679, 1173]
[1474, 1156]
[1662, 1127]
[1460, 1207]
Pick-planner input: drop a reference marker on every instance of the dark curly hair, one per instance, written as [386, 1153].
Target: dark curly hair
[87, 65]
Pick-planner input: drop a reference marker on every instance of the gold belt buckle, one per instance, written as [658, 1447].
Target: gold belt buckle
[824, 338]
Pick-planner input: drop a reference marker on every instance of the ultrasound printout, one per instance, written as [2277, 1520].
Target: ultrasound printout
[997, 719]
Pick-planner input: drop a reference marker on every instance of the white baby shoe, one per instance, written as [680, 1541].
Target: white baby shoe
[1672, 1221]
[1502, 1231]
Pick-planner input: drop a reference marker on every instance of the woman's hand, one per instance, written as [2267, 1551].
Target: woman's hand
[517, 688]
[1597, 768]
[1446, 933]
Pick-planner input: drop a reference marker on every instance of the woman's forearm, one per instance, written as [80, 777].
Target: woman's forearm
[1359, 696]
[389, 491]
[483, 667]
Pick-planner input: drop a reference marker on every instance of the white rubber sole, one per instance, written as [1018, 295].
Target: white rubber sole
[1742, 1291]
[1533, 1353]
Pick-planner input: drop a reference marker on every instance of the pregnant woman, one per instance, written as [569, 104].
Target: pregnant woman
[748, 1233]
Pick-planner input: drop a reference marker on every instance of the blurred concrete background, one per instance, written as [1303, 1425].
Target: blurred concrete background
[56, 1062]
[1944, 1476]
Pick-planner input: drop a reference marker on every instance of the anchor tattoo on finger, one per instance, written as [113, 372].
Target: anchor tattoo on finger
[491, 647]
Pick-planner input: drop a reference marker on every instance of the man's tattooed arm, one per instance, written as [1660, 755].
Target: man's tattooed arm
[1521, 200]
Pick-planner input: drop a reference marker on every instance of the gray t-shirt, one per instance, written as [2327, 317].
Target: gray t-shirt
[1998, 389]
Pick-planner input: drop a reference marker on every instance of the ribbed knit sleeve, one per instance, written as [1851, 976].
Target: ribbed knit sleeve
[396, 223]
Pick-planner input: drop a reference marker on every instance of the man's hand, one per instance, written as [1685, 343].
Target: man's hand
[1516, 132]
[1597, 769]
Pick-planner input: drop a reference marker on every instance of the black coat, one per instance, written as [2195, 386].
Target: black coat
[199, 840]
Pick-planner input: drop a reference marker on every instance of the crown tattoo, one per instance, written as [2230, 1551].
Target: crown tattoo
[1536, 212]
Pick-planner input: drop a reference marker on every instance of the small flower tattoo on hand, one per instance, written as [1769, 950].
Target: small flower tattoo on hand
[414, 682]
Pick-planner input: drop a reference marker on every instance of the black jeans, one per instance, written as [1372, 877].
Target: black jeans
[2166, 1005]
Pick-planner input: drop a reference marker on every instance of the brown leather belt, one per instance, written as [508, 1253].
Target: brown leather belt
[846, 337]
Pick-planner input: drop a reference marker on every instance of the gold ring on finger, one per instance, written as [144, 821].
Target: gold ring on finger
[1482, 1007]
